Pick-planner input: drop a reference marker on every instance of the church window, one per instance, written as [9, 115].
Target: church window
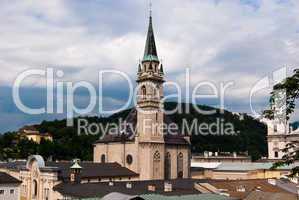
[168, 166]
[143, 90]
[129, 159]
[276, 154]
[103, 158]
[275, 128]
[34, 188]
[180, 166]
[150, 67]
[46, 191]
[156, 168]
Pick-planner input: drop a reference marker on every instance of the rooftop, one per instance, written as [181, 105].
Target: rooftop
[89, 169]
[248, 186]
[7, 179]
[89, 190]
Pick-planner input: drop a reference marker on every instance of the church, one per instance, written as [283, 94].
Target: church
[152, 152]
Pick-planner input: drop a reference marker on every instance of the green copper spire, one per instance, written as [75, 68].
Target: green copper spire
[150, 52]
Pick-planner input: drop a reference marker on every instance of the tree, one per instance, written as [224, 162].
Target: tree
[290, 89]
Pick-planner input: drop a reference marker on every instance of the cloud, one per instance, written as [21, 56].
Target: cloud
[238, 40]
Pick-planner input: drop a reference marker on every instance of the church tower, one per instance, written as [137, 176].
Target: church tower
[150, 78]
[150, 149]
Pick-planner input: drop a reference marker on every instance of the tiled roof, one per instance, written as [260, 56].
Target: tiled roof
[256, 195]
[89, 169]
[186, 197]
[250, 166]
[7, 179]
[89, 190]
[249, 185]
[93, 170]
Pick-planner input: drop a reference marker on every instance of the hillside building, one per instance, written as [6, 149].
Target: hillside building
[31, 133]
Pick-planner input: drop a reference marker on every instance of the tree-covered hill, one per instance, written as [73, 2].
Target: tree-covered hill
[250, 135]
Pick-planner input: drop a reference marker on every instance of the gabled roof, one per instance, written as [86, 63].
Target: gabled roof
[7, 179]
[92, 170]
[89, 169]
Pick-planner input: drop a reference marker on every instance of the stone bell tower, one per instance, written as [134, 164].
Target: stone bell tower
[150, 92]
[150, 78]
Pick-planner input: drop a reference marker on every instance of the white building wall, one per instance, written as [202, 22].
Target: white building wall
[10, 192]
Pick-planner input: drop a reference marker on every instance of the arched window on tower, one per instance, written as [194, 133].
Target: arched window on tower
[143, 91]
[180, 166]
[156, 167]
[168, 166]
[103, 158]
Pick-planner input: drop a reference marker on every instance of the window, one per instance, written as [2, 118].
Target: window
[46, 193]
[156, 168]
[12, 191]
[276, 154]
[143, 90]
[103, 158]
[129, 159]
[34, 188]
[1, 192]
[180, 166]
[275, 128]
[168, 166]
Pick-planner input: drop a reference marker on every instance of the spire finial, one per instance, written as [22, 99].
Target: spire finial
[150, 7]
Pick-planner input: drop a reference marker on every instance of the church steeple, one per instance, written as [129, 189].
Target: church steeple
[150, 52]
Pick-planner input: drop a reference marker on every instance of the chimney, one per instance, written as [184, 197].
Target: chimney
[167, 187]
[75, 171]
[241, 188]
[272, 181]
[129, 185]
[151, 188]
[206, 154]
[111, 183]
[235, 154]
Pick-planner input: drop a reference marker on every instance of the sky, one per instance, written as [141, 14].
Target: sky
[219, 41]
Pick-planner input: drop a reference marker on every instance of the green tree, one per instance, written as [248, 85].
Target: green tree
[290, 86]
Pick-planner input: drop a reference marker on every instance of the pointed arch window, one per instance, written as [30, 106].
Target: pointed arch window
[180, 166]
[156, 167]
[103, 158]
[143, 91]
[168, 166]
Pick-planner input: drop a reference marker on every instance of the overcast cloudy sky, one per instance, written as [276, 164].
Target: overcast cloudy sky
[219, 40]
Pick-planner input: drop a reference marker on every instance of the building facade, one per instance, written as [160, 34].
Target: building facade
[278, 136]
[9, 187]
[151, 151]
[31, 133]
